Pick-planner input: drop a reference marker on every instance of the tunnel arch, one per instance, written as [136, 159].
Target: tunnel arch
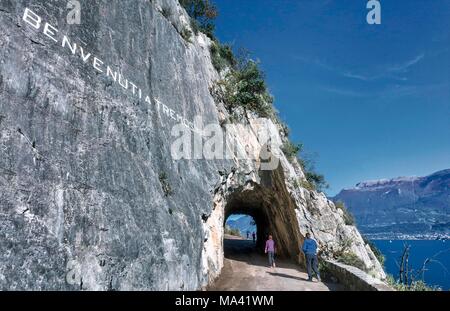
[264, 196]
[269, 202]
[246, 202]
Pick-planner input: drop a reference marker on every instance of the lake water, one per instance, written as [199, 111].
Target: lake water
[438, 270]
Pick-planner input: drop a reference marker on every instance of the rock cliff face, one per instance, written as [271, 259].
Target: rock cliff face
[90, 195]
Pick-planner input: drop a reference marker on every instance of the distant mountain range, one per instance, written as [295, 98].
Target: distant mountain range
[405, 207]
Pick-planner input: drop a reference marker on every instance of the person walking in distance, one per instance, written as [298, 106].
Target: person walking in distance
[310, 250]
[254, 237]
[270, 250]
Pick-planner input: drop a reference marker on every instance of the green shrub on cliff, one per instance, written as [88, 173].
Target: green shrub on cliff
[375, 250]
[317, 180]
[246, 88]
[290, 149]
[415, 286]
[314, 181]
[251, 90]
[244, 85]
[222, 56]
[284, 128]
[202, 13]
[348, 217]
[307, 185]
[351, 259]
[186, 34]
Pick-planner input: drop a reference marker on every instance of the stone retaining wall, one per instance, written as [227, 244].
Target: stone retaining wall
[355, 279]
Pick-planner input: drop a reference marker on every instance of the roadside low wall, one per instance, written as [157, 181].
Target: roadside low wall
[355, 279]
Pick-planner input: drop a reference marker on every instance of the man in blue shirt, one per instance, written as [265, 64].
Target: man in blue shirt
[310, 250]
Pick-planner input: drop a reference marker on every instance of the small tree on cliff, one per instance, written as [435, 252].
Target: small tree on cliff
[245, 87]
[414, 280]
[202, 13]
[348, 216]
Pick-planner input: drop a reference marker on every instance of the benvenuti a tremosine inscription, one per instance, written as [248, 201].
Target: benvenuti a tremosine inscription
[219, 145]
[52, 33]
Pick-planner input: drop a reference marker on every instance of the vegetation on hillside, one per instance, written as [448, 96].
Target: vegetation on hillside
[415, 286]
[166, 12]
[345, 255]
[410, 279]
[202, 13]
[378, 254]
[315, 179]
[291, 150]
[348, 217]
[351, 259]
[186, 34]
[222, 56]
[244, 87]
[232, 231]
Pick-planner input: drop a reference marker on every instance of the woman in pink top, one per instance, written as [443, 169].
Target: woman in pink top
[270, 250]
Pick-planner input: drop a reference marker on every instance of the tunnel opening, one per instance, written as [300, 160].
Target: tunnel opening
[269, 203]
[239, 239]
[264, 197]
[243, 205]
[241, 226]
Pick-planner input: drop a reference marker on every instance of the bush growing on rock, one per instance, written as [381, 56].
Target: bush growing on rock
[307, 185]
[350, 258]
[317, 180]
[202, 13]
[284, 128]
[186, 34]
[348, 217]
[375, 250]
[222, 56]
[245, 87]
[291, 150]
[314, 181]
[415, 286]
[346, 256]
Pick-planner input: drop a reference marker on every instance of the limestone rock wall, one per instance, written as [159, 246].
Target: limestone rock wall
[81, 202]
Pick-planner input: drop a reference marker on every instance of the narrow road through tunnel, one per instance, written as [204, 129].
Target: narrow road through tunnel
[272, 209]
[245, 265]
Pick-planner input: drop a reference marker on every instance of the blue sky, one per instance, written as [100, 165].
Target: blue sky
[368, 101]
